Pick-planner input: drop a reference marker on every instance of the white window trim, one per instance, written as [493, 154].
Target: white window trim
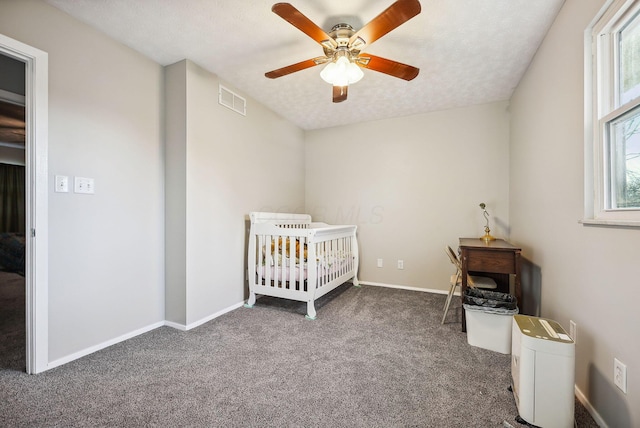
[597, 100]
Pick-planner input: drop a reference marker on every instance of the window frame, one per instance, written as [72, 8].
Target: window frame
[601, 110]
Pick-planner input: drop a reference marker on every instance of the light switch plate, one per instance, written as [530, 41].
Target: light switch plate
[62, 184]
[83, 185]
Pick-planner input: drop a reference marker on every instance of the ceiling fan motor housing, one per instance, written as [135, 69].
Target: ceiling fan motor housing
[341, 33]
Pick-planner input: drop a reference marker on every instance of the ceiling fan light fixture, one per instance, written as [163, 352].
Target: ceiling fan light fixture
[341, 72]
[343, 45]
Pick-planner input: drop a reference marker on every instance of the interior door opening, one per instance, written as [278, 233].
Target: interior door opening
[35, 70]
[12, 215]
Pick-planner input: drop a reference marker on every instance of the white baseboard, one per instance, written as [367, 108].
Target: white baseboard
[203, 320]
[106, 344]
[594, 414]
[405, 287]
[176, 325]
[100, 346]
[188, 327]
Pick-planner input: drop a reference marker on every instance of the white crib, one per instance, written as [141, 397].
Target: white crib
[293, 258]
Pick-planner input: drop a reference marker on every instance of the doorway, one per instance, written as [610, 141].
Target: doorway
[12, 215]
[35, 67]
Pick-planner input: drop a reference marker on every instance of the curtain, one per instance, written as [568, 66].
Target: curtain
[12, 200]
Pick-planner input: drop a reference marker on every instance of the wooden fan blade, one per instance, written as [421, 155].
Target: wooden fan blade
[296, 67]
[339, 93]
[387, 66]
[294, 17]
[398, 13]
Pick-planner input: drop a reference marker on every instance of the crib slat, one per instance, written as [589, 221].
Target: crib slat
[345, 265]
[350, 255]
[321, 256]
[291, 251]
[339, 255]
[281, 264]
[334, 260]
[268, 260]
[327, 256]
[299, 250]
[253, 260]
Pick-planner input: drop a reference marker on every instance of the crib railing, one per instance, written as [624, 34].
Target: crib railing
[281, 261]
[335, 258]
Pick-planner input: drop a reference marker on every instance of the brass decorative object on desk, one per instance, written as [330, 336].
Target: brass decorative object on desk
[487, 232]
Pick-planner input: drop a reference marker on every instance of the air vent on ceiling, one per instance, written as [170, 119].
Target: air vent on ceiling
[232, 100]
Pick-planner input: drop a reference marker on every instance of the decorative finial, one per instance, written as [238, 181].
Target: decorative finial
[487, 235]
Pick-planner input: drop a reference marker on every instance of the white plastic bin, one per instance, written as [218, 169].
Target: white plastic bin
[489, 330]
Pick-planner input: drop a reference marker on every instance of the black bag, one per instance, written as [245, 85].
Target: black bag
[490, 299]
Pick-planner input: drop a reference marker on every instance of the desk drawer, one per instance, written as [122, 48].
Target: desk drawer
[491, 261]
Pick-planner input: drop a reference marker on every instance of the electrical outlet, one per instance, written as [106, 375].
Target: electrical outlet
[573, 331]
[620, 375]
[400, 264]
[380, 263]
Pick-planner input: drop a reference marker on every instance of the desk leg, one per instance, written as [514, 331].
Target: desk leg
[463, 289]
[517, 287]
[464, 318]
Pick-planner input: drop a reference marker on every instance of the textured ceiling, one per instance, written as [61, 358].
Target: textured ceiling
[468, 51]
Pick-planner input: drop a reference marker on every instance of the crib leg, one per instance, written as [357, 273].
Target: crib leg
[311, 311]
[251, 301]
[355, 282]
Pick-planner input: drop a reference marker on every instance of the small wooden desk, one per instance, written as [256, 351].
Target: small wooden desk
[496, 259]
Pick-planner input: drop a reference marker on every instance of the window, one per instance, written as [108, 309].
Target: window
[612, 167]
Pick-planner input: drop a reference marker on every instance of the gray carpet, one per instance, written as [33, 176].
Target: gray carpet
[375, 357]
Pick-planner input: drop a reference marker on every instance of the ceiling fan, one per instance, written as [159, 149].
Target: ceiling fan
[343, 45]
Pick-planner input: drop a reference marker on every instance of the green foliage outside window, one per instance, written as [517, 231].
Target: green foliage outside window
[630, 197]
[629, 191]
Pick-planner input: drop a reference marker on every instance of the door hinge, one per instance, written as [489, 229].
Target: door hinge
[33, 233]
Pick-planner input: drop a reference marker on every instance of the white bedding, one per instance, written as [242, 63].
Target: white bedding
[275, 272]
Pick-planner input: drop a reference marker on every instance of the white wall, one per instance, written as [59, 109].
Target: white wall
[221, 166]
[175, 173]
[106, 276]
[412, 185]
[588, 274]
